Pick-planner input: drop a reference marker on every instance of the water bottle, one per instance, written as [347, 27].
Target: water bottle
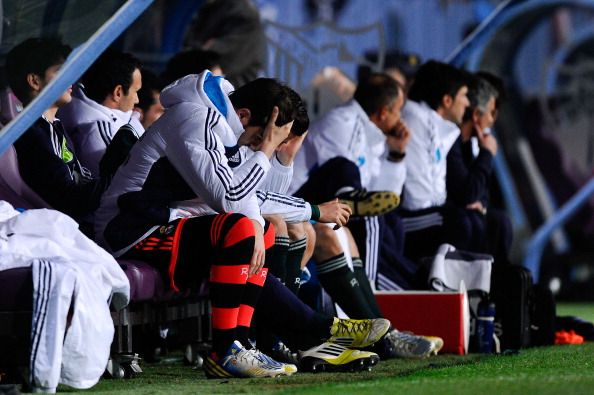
[484, 326]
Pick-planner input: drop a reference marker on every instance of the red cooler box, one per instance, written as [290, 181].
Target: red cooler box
[443, 314]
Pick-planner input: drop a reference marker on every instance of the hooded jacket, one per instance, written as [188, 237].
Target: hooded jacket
[92, 126]
[179, 168]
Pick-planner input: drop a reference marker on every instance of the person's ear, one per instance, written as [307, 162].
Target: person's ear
[34, 82]
[447, 101]
[383, 112]
[379, 116]
[476, 115]
[117, 93]
[244, 115]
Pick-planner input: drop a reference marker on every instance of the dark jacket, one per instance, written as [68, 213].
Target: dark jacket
[49, 166]
[467, 178]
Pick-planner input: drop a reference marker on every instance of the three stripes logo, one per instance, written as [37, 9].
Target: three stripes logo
[333, 350]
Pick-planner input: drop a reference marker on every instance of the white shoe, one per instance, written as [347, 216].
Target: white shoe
[279, 368]
[241, 362]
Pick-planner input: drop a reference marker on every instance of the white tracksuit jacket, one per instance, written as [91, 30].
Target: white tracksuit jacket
[91, 126]
[68, 270]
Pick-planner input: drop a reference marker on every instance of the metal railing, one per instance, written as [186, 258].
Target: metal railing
[78, 62]
[539, 240]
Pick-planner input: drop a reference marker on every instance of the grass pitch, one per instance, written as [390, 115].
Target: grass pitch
[546, 370]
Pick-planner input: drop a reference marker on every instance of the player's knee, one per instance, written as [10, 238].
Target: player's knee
[238, 227]
[279, 223]
[296, 231]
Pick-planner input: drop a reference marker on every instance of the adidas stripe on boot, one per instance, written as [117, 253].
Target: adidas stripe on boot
[331, 357]
[241, 362]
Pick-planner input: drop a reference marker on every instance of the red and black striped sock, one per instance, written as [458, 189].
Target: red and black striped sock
[233, 236]
[253, 288]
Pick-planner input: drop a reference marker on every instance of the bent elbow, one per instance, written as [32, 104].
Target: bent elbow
[232, 205]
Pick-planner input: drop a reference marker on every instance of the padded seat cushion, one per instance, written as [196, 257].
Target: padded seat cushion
[145, 281]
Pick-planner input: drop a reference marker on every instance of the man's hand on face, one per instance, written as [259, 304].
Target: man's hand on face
[274, 135]
[487, 141]
[398, 138]
[287, 151]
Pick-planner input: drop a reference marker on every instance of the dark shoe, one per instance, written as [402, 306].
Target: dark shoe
[371, 203]
[407, 345]
[281, 353]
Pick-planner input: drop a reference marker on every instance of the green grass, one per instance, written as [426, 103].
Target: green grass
[548, 370]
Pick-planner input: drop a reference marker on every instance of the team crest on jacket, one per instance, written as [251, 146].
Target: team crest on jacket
[166, 229]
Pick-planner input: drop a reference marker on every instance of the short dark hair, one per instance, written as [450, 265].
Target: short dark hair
[260, 96]
[111, 69]
[301, 122]
[193, 61]
[33, 56]
[151, 83]
[434, 80]
[376, 91]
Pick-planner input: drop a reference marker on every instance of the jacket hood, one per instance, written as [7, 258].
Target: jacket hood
[208, 90]
[82, 109]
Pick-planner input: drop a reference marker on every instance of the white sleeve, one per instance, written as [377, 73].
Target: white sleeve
[136, 124]
[291, 209]
[252, 210]
[199, 156]
[278, 178]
